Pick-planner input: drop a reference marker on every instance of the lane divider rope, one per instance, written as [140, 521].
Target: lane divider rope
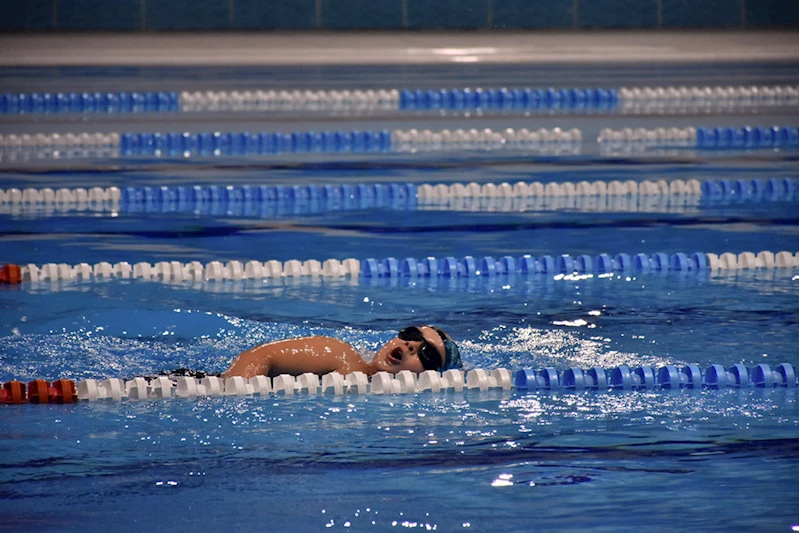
[507, 284]
[544, 141]
[397, 195]
[448, 267]
[523, 99]
[685, 203]
[573, 379]
[246, 143]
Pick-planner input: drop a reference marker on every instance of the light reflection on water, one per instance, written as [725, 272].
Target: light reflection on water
[534, 348]
[476, 451]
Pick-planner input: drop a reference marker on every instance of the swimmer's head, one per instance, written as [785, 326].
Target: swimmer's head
[418, 349]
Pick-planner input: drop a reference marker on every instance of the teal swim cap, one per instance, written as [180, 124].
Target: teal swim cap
[453, 359]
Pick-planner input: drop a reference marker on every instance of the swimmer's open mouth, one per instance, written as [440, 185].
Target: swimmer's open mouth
[395, 356]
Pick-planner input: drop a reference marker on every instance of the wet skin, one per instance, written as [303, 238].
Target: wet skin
[321, 355]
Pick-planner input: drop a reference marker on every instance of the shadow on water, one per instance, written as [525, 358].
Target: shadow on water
[467, 456]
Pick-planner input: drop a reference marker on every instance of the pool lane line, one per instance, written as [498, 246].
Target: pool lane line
[621, 378]
[558, 266]
[275, 210]
[658, 99]
[244, 200]
[210, 144]
[542, 141]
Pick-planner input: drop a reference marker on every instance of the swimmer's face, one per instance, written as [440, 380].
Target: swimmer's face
[398, 354]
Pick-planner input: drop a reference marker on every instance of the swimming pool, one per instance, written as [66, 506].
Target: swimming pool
[510, 460]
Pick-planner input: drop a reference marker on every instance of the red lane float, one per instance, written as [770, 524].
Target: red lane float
[13, 392]
[61, 391]
[11, 274]
[38, 391]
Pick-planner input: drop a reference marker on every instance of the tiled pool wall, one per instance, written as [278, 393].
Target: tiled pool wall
[158, 15]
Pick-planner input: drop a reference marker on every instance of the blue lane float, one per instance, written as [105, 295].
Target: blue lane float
[468, 266]
[690, 376]
[747, 137]
[524, 99]
[564, 265]
[375, 195]
[90, 102]
[750, 190]
[262, 143]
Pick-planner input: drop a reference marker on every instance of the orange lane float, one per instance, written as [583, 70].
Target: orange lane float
[11, 274]
[61, 391]
[13, 392]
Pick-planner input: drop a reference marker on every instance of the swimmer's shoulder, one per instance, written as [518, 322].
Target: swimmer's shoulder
[331, 341]
[315, 341]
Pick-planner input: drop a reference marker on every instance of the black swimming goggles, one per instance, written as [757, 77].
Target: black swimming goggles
[430, 357]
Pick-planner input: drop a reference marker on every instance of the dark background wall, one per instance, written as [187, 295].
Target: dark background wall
[167, 15]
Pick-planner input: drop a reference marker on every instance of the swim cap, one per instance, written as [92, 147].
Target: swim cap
[452, 355]
[453, 359]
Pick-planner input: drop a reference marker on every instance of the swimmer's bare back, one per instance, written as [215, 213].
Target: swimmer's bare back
[318, 355]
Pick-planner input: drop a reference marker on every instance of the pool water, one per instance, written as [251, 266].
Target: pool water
[657, 460]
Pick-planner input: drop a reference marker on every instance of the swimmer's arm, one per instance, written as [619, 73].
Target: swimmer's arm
[318, 355]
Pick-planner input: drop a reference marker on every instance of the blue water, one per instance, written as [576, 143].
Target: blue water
[474, 461]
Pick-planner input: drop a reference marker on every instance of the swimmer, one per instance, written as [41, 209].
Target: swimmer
[414, 348]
